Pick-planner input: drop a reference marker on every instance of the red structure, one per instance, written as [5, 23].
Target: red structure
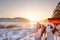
[55, 21]
[56, 15]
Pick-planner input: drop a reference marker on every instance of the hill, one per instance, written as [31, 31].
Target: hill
[16, 19]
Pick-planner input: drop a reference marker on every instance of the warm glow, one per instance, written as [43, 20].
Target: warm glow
[32, 24]
[30, 9]
[32, 16]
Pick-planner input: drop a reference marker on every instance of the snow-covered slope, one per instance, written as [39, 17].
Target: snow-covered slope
[29, 37]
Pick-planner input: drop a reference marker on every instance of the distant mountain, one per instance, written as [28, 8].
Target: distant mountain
[16, 19]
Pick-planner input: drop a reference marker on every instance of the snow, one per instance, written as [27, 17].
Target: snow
[16, 33]
[22, 31]
[29, 37]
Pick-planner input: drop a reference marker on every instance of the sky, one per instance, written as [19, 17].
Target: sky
[31, 9]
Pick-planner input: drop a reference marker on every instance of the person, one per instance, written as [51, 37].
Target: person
[49, 33]
[38, 32]
[57, 33]
[43, 32]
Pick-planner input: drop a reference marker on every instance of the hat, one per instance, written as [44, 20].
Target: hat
[51, 25]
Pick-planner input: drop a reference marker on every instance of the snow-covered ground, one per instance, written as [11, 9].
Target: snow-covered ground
[16, 33]
[22, 31]
[12, 34]
[29, 37]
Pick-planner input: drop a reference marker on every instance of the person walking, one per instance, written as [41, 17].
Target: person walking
[57, 33]
[49, 28]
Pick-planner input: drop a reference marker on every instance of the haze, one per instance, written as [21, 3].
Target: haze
[31, 9]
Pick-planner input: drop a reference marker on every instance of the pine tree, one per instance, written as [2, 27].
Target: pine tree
[56, 13]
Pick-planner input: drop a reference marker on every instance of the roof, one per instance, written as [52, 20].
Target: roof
[53, 18]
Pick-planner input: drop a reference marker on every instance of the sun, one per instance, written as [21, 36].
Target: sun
[33, 18]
